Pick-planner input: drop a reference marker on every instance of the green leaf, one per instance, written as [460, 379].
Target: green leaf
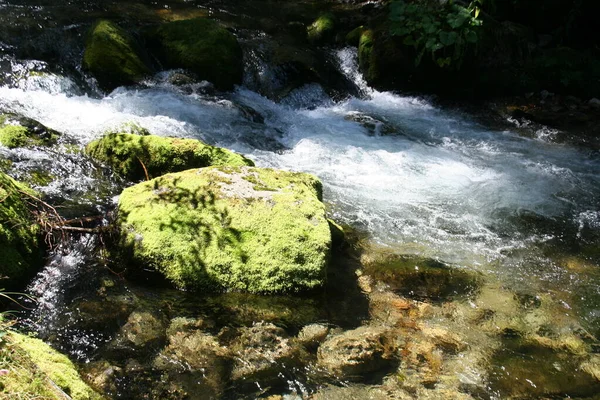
[471, 36]
[409, 41]
[448, 38]
[431, 42]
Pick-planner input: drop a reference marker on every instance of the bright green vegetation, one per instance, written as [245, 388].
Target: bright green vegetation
[442, 31]
[17, 131]
[322, 29]
[113, 56]
[19, 245]
[211, 229]
[128, 154]
[202, 46]
[37, 371]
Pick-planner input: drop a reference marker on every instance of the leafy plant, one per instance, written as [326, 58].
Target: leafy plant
[443, 30]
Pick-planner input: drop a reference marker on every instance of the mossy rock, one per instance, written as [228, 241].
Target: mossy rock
[113, 56]
[18, 131]
[35, 370]
[202, 46]
[237, 228]
[322, 29]
[19, 244]
[128, 154]
[421, 277]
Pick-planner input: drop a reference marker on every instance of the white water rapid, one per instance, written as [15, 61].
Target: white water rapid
[417, 178]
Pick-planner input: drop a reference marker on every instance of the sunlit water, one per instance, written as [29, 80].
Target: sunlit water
[415, 177]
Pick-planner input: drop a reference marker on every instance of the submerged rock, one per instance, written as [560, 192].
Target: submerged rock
[132, 155]
[354, 354]
[19, 245]
[143, 330]
[419, 277]
[113, 56]
[19, 131]
[202, 46]
[195, 361]
[261, 351]
[518, 373]
[35, 370]
[241, 228]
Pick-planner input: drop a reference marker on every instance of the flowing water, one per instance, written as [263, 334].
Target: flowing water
[417, 179]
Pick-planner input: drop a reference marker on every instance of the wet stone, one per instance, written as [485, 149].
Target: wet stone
[195, 362]
[143, 330]
[525, 369]
[422, 278]
[355, 354]
[261, 352]
[312, 335]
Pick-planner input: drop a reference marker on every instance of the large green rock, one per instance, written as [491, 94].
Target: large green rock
[113, 56]
[201, 46]
[18, 131]
[128, 154]
[19, 245]
[240, 228]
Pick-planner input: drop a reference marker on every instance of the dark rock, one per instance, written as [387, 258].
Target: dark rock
[202, 46]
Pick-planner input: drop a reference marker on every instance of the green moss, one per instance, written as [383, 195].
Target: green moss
[322, 29]
[38, 371]
[113, 56]
[128, 154]
[353, 37]
[201, 46]
[19, 245]
[18, 131]
[13, 136]
[365, 54]
[202, 232]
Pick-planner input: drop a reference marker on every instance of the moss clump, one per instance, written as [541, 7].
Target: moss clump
[353, 37]
[201, 46]
[17, 131]
[322, 29]
[35, 370]
[365, 54]
[210, 228]
[113, 56]
[129, 154]
[19, 245]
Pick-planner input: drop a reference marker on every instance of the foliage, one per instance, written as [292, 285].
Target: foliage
[443, 30]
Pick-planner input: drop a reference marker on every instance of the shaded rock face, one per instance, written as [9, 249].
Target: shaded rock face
[19, 246]
[201, 46]
[132, 156]
[113, 57]
[19, 131]
[242, 228]
[356, 353]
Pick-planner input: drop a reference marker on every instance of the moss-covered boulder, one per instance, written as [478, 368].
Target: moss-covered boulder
[129, 154]
[113, 56]
[19, 131]
[19, 244]
[239, 228]
[322, 29]
[202, 46]
[37, 371]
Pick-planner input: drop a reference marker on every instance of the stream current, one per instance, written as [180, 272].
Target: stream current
[414, 177]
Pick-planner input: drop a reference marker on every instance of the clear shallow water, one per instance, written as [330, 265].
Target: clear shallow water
[418, 179]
